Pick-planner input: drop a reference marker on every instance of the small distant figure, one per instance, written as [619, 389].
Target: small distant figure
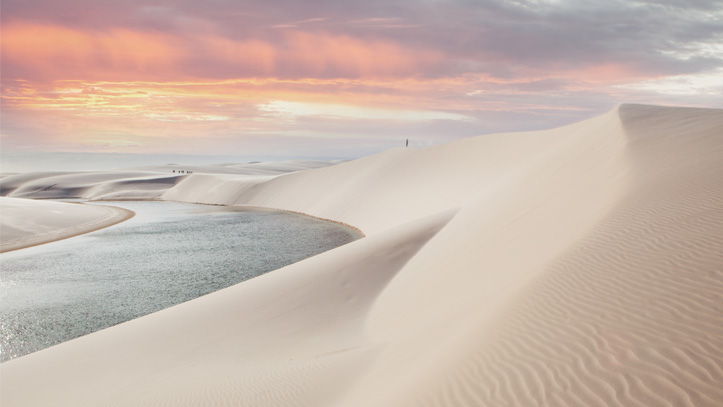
[174, 171]
[407, 143]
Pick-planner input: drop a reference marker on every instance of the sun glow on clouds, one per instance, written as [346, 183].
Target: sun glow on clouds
[142, 112]
[141, 85]
[355, 112]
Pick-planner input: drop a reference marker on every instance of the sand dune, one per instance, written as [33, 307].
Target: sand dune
[574, 266]
[27, 222]
[257, 168]
[135, 183]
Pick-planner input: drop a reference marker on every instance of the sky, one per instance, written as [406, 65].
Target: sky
[338, 78]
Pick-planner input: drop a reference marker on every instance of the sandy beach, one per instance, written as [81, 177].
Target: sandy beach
[27, 222]
[577, 266]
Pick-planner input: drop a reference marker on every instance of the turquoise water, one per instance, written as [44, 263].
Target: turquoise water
[167, 254]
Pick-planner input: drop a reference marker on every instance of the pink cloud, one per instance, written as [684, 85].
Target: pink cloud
[52, 52]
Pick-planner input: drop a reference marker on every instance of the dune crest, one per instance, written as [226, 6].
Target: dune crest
[575, 266]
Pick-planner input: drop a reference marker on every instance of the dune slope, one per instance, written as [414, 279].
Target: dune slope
[27, 222]
[574, 266]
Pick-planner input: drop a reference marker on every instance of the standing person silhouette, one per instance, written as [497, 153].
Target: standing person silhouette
[407, 143]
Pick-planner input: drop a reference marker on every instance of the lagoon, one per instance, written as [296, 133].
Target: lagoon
[167, 254]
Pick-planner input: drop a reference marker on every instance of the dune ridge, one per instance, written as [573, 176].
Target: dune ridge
[575, 266]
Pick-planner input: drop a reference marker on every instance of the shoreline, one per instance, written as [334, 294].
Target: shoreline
[122, 215]
[264, 208]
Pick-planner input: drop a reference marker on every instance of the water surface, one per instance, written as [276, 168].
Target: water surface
[167, 254]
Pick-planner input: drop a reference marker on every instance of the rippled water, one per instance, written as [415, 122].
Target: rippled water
[167, 254]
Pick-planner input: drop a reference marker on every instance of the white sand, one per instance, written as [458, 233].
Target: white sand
[27, 222]
[569, 267]
[138, 183]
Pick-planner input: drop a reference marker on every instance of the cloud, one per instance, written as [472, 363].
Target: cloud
[294, 109]
[81, 70]
[36, 51]
[32, 51]
[296, 24]
[496, 37]
[383, 22]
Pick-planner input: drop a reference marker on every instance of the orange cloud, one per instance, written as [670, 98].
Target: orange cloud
[56, 52]
[52, 52]
[147, 111]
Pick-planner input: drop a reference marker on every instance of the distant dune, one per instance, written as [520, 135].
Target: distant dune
[579, 266]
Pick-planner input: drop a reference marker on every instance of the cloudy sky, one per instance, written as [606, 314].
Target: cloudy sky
[338, 78]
